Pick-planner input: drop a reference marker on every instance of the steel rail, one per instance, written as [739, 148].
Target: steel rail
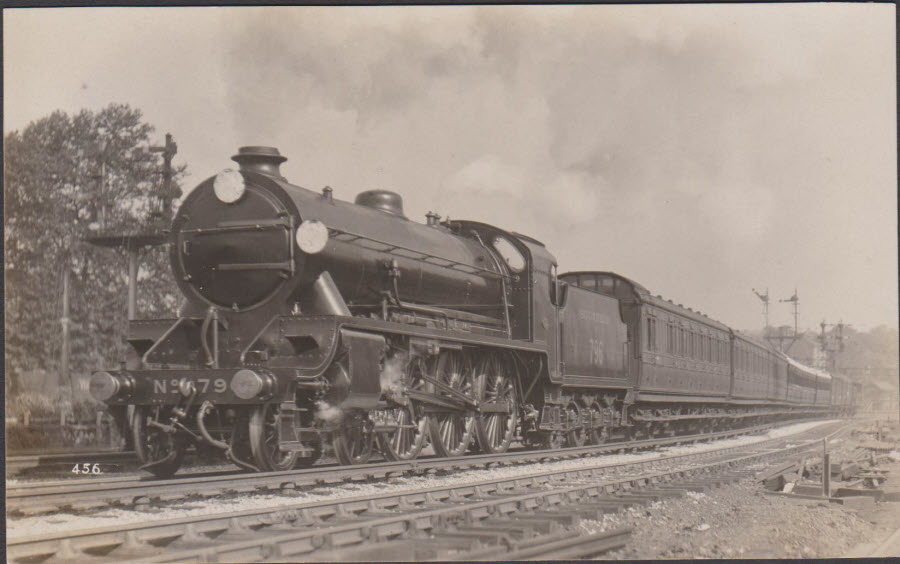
[506, 513]
[33, 498]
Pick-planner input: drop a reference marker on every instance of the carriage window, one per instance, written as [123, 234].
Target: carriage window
[651, 334]
[510, 254]
[589, 283]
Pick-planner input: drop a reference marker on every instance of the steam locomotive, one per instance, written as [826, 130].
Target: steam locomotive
[311, 320]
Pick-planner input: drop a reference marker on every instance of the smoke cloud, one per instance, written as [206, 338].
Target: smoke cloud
[392, 376]
[701, 150]
[330, 414]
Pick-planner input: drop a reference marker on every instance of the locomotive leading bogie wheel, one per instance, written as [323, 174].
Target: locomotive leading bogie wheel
[354, 442]
[264, 440]
[495, 387]
[451, 431]
[407, 440]
[159, 451]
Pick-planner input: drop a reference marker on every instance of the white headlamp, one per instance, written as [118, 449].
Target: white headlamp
[312, 236]
[229, 186]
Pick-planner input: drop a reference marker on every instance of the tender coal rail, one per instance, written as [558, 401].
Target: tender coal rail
[85, 494]
[536, 516]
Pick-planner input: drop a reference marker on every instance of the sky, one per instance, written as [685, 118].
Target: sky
[701, 150]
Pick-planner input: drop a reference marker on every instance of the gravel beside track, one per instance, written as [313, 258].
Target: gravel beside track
[97, 492]
[533, 515]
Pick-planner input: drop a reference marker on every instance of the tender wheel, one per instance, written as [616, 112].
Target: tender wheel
[496, 394]
[578, 435]
[407, 440]
[354, 442]
[159, 452]
[451, 431]
[264, 440]
[597, 434]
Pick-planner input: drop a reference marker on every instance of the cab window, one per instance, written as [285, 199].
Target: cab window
[510, 254]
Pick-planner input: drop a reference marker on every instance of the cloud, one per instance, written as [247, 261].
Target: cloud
[694, 148]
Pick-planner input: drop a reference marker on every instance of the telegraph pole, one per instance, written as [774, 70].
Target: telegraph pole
[795, 301]
[838, 338]
[101, 200]
[168, 153]
[64, 320]
[160, 210]
[765, 301]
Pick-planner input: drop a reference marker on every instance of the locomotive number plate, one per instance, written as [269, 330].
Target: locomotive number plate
[204, 385]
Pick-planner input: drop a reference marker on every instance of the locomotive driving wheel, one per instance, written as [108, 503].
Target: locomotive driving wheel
[405, 442]
[159, 451]
[264, 440]
[495, 391]
[354, 442]
[451, 431]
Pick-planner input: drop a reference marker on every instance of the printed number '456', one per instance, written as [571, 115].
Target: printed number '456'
[86, 468]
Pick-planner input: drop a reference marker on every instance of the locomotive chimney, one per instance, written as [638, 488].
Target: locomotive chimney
[264, 160]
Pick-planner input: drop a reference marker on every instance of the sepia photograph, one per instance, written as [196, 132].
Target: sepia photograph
[450, 282]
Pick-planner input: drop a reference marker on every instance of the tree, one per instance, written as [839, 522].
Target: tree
[67, 178]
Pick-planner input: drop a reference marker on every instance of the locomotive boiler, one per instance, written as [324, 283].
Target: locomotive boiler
[310, 322]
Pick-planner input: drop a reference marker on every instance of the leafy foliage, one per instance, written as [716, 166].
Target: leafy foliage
[68, 178]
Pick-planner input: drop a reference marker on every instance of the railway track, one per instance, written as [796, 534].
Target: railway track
[534, 516]
[98, 492]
